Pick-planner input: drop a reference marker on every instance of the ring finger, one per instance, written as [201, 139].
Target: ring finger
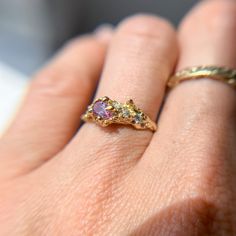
[141, 57]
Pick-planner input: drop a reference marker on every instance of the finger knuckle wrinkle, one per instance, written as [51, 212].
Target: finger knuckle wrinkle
[83, 44]
[213, 13]
[61, 83]
[220, 12]
[145, 26]
[216, 7]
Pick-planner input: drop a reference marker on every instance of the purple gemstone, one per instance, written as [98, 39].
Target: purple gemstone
[99, 109]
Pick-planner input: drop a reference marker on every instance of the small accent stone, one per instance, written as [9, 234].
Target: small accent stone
[138, 118]
[125, 112]
[99, 109]
[116, 105]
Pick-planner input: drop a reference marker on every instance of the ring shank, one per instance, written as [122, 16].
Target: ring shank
[222, 74]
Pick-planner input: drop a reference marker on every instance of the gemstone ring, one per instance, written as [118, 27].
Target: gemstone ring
[104, 111]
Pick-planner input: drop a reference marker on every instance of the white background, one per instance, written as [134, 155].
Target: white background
[12, 89]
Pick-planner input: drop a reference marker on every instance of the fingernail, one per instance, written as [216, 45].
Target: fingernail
[104, 32]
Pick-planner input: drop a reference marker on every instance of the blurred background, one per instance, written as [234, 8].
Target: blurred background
[32, 30]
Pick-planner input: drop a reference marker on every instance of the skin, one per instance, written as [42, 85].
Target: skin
[56, 180]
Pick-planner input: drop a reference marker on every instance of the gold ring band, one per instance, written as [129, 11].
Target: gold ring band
[222, 74]
[104, 111]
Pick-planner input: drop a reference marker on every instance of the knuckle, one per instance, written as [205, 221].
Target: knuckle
[59, 82]
[67, 75]
[76, 42]
[145, 26]
[213, 13]
[218, 7]
[83, 43]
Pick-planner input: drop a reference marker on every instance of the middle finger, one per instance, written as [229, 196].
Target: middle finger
[196, 139]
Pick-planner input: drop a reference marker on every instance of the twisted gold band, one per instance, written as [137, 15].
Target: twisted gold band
[105, 111]
[222, 74]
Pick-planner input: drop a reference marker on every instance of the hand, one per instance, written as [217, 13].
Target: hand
[58, 180]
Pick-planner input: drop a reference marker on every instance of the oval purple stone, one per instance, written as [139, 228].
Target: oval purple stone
[99, 109]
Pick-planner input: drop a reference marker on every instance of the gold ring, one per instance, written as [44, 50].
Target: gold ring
[104, 111]
[222, 74]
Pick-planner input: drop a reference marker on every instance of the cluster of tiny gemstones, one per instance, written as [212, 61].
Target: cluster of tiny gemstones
[129, 111]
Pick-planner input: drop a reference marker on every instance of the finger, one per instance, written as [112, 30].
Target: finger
[51, 113]
[195, 146]
[141, 57]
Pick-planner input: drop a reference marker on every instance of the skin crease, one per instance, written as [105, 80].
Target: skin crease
[118, 181]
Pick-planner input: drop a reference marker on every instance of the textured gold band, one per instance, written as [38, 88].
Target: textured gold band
[222, 74]
[105, 111]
